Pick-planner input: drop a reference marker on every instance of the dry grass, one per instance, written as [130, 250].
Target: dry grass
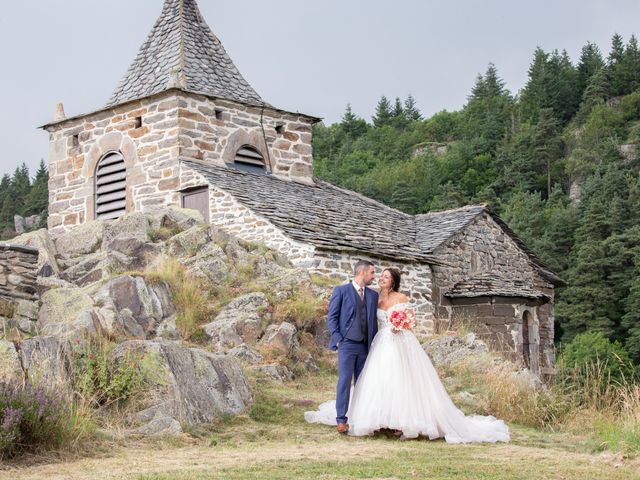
[190, 296]
[276, 443]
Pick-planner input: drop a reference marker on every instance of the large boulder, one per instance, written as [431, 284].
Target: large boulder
[133, 225]
[283, 337]
[10, 367]
[210, 264]
[64, 310]
[140, 307]
[174, 218]
[25, 315]
[39, 239]
[239, 322]
[188, 384]
[274, 371]
[81, 240]
[47, 361]
[450, 350]
[246, 354]
[187, 243]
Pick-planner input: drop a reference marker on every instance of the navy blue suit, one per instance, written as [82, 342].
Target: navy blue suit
[351, 355]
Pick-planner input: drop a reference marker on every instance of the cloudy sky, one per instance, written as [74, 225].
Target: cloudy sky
[313, 57]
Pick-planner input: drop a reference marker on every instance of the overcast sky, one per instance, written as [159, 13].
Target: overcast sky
[299, 55]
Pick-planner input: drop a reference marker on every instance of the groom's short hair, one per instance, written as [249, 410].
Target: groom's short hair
[362, 265]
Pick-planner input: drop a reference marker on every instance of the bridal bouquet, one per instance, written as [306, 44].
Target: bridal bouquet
[403, 319]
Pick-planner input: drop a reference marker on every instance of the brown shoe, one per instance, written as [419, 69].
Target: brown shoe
[343, 427]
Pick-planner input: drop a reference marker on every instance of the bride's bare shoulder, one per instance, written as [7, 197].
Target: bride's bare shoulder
[400, 298]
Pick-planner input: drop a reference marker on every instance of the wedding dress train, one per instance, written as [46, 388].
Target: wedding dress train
[399, 389]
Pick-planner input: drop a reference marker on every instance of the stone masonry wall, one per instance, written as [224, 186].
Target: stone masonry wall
[152, 134]
[236, 219]
[19, 298]
[214, 131]
[18, 270]
[416, 281]
[484, 247]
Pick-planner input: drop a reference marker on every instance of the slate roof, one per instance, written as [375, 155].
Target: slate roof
[435, 228]
[181, 51]
[333, 218]
[492, 285]
[322, 214]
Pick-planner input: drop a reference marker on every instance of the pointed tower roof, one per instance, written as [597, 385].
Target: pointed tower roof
[182, 52]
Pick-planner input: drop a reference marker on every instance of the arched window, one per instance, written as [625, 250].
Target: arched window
[250, 160]
[111, 187]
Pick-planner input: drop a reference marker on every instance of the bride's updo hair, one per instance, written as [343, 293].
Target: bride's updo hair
[396, 276]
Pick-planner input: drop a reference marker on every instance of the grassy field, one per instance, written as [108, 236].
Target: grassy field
[272, 441]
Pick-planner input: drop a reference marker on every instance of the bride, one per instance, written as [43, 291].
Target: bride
[399, 389]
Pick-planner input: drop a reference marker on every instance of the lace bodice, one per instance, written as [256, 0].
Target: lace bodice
[382, 314]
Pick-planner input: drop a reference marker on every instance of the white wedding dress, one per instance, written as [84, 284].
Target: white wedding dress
[399, 389]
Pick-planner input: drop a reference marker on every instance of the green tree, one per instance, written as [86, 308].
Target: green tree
[615, 58]
[411, 110]
[383, 115]
[37, 200]
[590, 62]
[627, 71]
[352, 125]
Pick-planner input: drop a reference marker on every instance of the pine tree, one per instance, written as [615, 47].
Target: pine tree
[399, 120]
[487, 114]
[536, 94]
[548, 145]
[590, 62]
[383, 115]
[6, 217]
[631, 318]
[37, 199]
[352, 125]
[615, 58]
[410, 109]
[627, 73]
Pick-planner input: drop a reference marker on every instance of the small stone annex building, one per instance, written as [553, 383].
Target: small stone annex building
[184, 128]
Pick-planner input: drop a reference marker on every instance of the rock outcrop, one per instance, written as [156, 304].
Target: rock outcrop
[189, 384]
[104, 281]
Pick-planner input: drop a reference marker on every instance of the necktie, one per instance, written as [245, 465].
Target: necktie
[361, 293]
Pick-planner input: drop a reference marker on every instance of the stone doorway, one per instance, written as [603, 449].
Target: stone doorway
[530, 342]
[197, 199]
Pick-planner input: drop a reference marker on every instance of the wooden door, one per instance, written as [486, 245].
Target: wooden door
[197, 200]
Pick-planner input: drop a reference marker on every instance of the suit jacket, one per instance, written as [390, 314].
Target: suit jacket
[342, 312]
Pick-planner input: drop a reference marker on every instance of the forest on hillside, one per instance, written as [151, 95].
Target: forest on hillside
[20, 194]
[558, 162]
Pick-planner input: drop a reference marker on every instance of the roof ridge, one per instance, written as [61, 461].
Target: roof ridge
[465, 208]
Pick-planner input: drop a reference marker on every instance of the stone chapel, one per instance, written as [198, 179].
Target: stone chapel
[185, 128]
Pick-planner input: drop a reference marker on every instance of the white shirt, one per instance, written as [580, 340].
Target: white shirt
[358, 287]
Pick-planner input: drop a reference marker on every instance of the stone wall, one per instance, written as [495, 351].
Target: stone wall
[238, 220]
[18, 270]
[416, 281]
[18, 292]
[152, 134]
[484, 247]
[233, 217]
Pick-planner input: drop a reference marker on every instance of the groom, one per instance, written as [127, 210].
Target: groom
[352, 323]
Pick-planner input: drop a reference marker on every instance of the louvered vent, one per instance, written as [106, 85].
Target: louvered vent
[250, 160]
[111, 187]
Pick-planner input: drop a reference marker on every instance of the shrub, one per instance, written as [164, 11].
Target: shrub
[102, 381]
[592, 350]
[34, 419]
